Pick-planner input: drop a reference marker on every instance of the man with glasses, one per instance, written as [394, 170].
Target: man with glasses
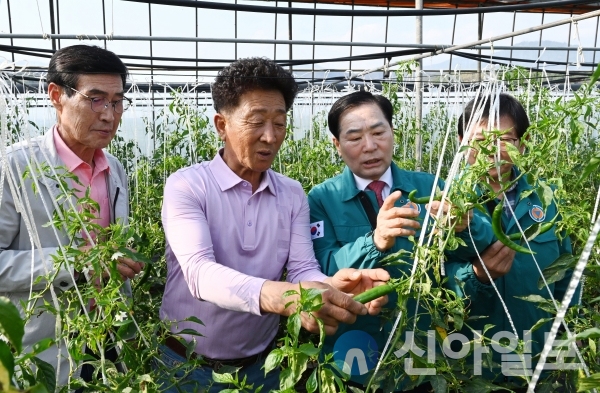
[498, 124]
[86, 87]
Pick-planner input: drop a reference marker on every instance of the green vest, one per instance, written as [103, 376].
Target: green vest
[521, 280]
[346, 241]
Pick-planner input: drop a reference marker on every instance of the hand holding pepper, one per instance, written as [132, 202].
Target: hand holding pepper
[461, 222]
[498, 260]
[354, 282]
[127, 267]
[393, 222]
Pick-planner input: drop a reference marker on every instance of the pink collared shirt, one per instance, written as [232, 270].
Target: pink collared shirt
[223, 243]
[95, 179]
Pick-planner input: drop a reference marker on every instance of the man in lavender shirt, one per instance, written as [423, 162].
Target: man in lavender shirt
[233, 226]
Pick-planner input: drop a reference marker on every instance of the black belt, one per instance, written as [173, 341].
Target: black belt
[215, 364]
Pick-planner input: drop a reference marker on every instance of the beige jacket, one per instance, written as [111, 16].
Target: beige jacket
[20, 261]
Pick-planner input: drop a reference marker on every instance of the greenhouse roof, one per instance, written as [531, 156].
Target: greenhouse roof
[437, 4]
[186, 41]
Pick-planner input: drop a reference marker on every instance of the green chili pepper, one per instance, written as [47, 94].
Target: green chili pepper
[374, 293]
[533, 231]
[422, 200]
[501, 236]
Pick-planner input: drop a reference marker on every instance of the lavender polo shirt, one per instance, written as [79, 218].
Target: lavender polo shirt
[223, 243]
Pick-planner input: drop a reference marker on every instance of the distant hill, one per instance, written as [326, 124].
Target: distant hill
[548, 55]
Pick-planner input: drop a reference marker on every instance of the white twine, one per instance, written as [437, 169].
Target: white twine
[560, 316]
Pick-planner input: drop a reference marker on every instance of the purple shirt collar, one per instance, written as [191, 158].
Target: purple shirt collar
[226, 178]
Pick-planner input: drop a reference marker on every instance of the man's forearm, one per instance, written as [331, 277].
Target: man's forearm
[272, 300]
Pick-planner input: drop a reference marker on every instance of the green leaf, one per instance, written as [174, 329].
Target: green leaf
[595, 76]
[309, 349]
[286, 379]
[42, 345]
[595, 300]
[222, 378]
[540, 323]
[273, 360]
[124, 322]
[458, 320]
[513, 152]
[136, 256]
[542, 303]
[311, 383]
[545, 193]
[11, 324]
[45, 374]
[298, 362]
[38, 347]
[311, 293]
[590, 167]
[190, 332]
[39, 388]
[291, 292]
[481, 386]
[530, 178]
[588, 333]
[194, 319]
[293, 325]
[593, 381]
[355, 390]
[438, 383]
[327, 381]
[533, 298]
[127, 332]
[557, 269]
[6, 359]
[532, 232]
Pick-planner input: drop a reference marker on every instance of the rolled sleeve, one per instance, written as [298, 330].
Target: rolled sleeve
[464, 282]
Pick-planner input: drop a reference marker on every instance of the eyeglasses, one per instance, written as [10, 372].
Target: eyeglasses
[504, 140]
[99, 104]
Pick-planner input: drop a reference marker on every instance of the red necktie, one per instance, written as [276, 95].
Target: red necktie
[377, 187]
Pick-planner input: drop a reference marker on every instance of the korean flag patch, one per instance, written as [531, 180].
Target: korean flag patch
[316, 230]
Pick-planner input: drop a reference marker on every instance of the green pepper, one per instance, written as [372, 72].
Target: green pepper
[533, 231]
[412, 196]
[501, 236]
[374, 293]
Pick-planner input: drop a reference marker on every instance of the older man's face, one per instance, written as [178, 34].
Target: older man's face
[253, 132]
[366, 141]
[82, 129]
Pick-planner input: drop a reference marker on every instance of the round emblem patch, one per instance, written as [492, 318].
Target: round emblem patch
[537, 214]
[414, 206]
[355, 352]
